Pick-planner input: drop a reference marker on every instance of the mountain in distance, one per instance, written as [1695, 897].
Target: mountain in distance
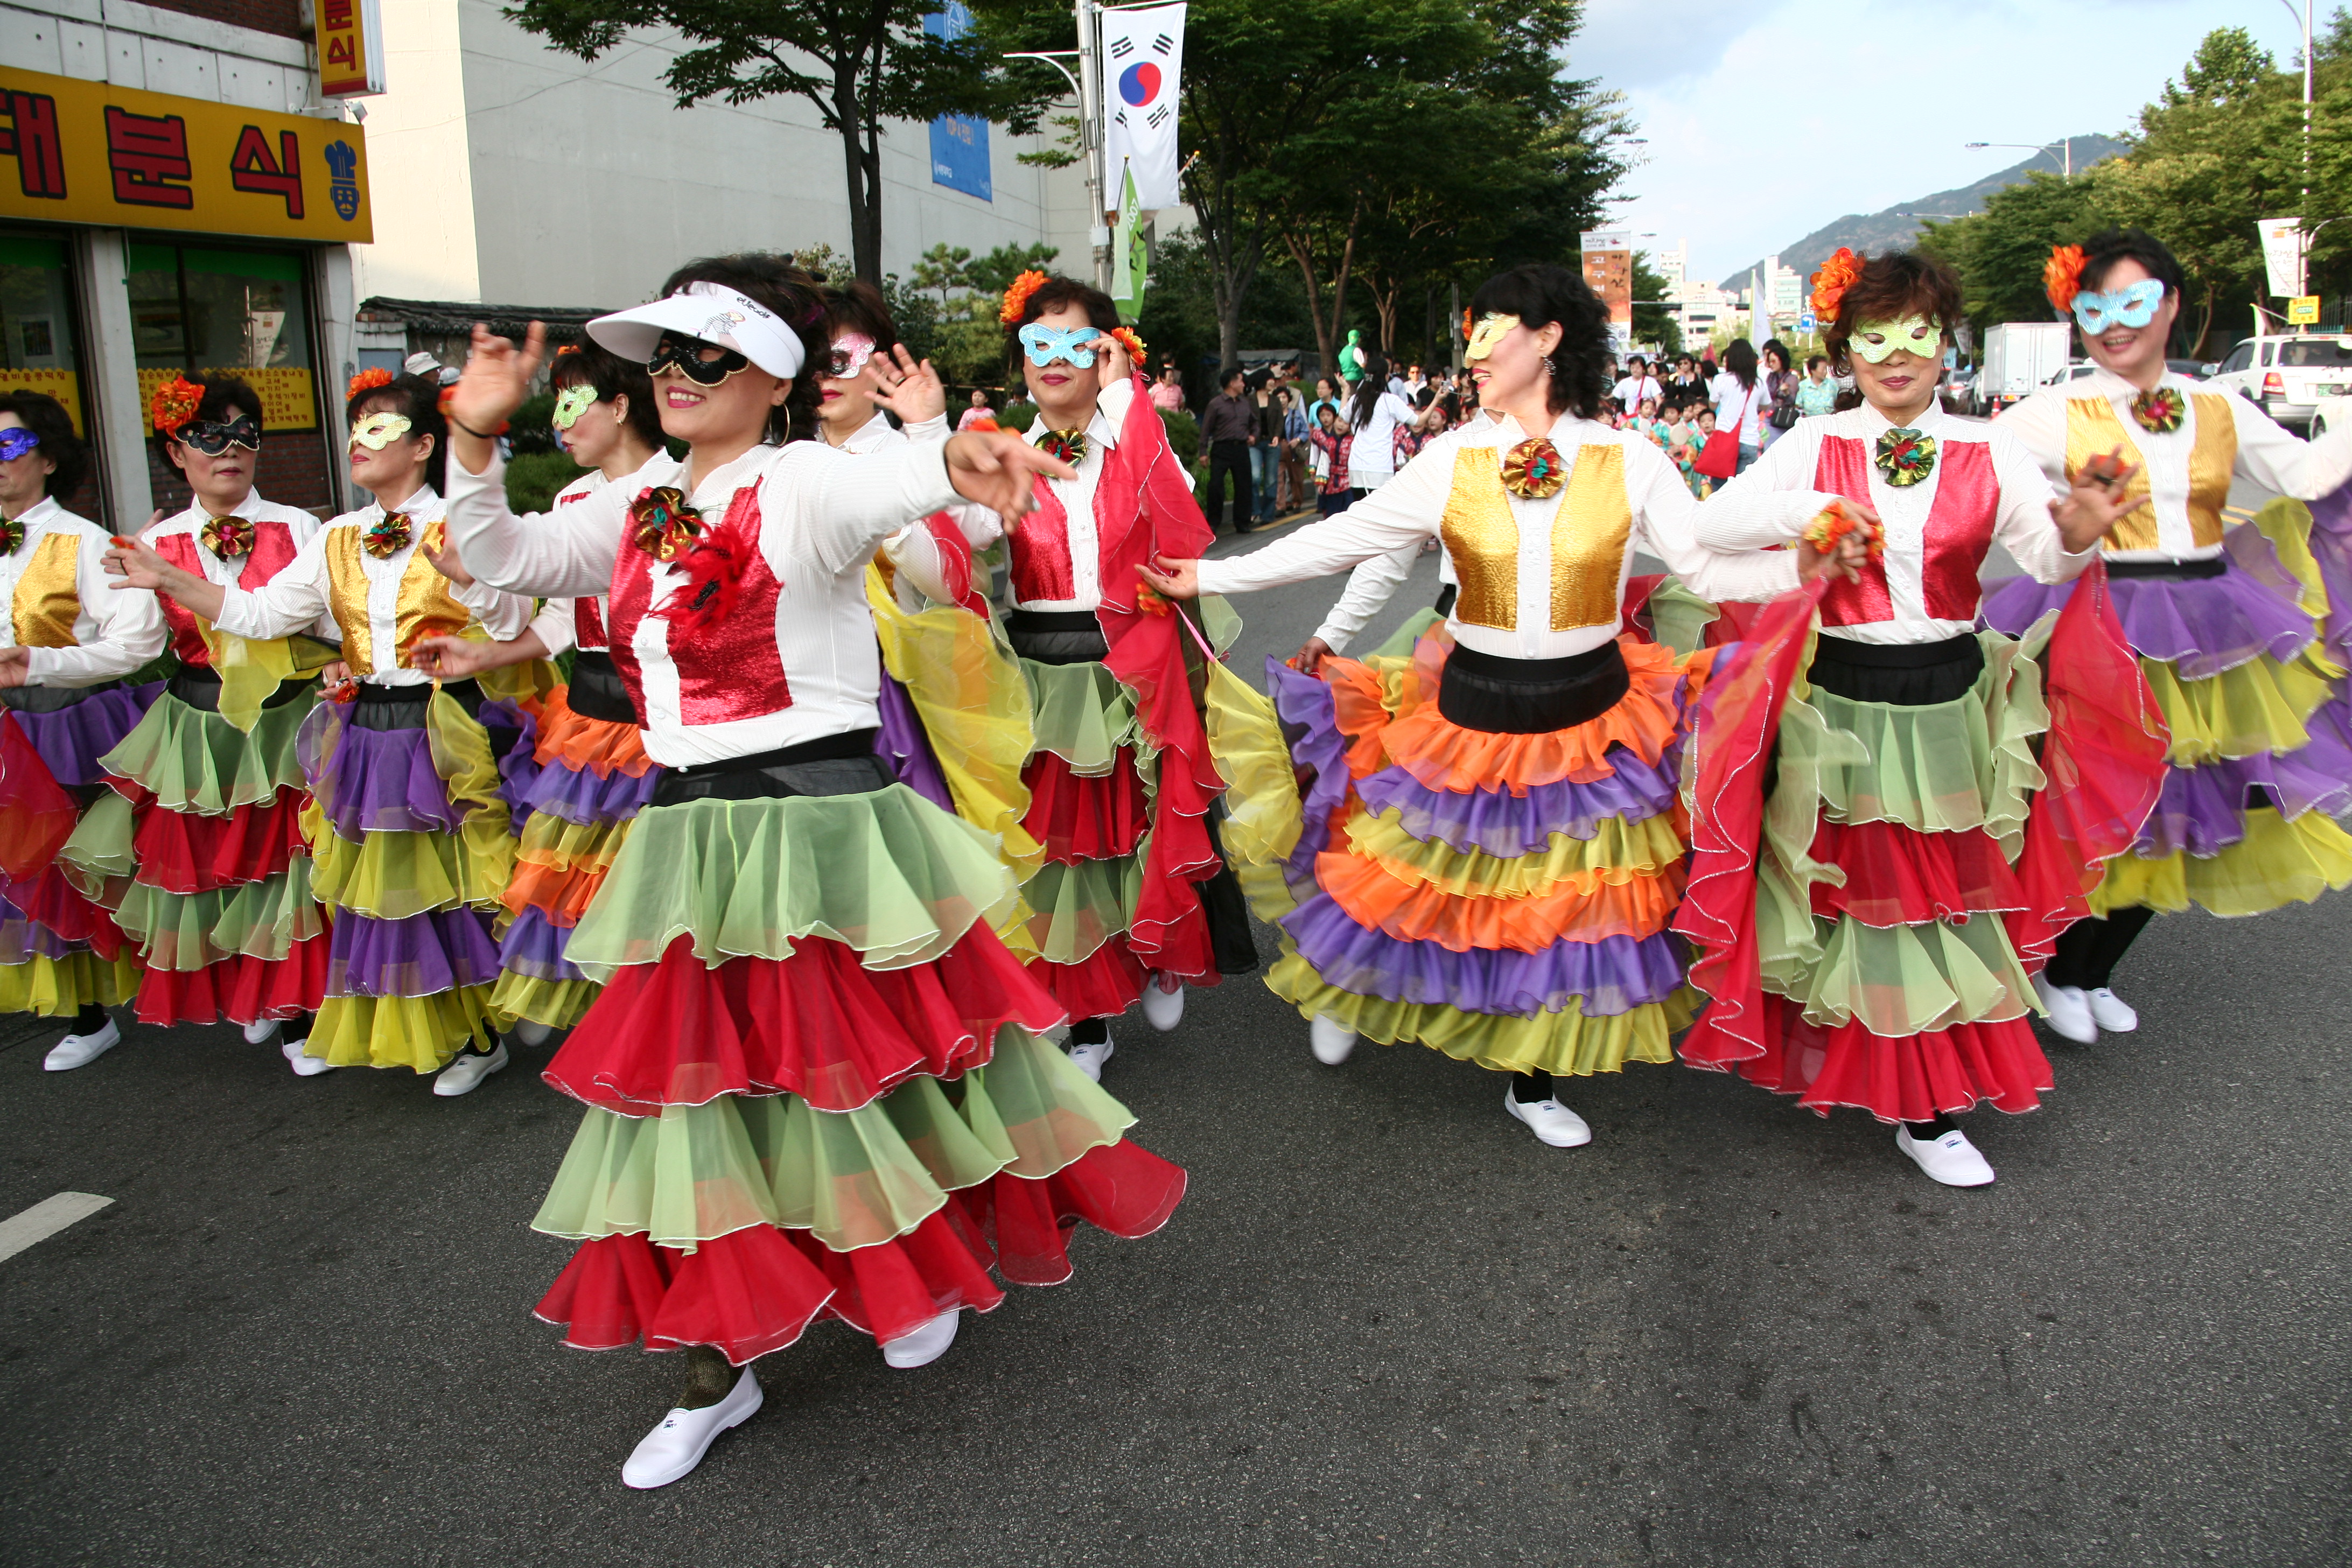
[1890, 230]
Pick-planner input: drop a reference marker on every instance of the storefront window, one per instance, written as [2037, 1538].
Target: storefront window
[243, 312]
[38, 342]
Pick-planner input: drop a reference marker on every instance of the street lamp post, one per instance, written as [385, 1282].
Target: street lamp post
[2303, 236]
[2068, 142]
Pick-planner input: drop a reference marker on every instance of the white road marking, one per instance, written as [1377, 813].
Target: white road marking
[45, 1219]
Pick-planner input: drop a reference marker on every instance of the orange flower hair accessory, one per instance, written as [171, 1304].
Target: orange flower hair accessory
[176, 403]
[1835, 521]
[368, 380]
[2062, 276]
[1016, 297]
[1130, 343]
[1835, 276]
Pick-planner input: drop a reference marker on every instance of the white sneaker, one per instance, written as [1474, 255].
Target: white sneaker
[925, 1345]
[1950, 1159]
[531, 1032]
[2111, 1012]
[1331, 1041]
[671, 1450]
[461, 1076]
[1090, 1059]
[1163, 1010]
[259, 1030]
[1550, 1121]
[2069, 1013]
[80, 1050]
[304, 1064]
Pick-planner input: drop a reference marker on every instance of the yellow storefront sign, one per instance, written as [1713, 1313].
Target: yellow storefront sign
[62, 384]
[288, 399]
[88, 152]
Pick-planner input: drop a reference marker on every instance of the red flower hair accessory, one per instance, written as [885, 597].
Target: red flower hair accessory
[368, 380]
[176, 403]
[1016, 297]
[1130, 343]
[2062, 276]
[1836, 276]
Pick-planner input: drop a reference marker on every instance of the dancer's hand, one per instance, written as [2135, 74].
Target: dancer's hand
[444, 555]
[1309, 658]
[1174, 579]
[2094, 502]
[908, 389]
[452, 658]
[135, 565]
[496, 381]
[996, 468]
[15, 665]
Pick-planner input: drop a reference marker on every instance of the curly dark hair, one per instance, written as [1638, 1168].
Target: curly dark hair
[1891, 286]
[1539, 294]
[797, 298]
[2109, 246]
[225, 397]
[67, 453]
[419, 398]
[592, 364]
[1054, 292]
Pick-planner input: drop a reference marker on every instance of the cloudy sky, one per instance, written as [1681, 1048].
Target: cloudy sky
[1767, 121]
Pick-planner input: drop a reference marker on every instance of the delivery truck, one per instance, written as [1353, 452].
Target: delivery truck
[2017, 357]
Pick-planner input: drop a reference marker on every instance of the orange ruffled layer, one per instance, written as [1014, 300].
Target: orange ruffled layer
[595, 746]
[1393, 718]
[1585, 906]
[561, 886]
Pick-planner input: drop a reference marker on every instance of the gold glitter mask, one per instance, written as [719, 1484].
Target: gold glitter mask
[378, 431]
[1492, 329]
[1878, 341]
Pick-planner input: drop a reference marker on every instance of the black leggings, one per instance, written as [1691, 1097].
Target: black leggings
[2087, 950]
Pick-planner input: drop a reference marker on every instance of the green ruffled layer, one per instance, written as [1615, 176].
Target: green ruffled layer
[1083, 715]
[191, 930]
[101, 858]
[420, 1033]
[888, 873]
[2279, 862]
[855, 1178]
[1679, 618]
[60, 987]
[558, 1003]
[1565, 1044]
[1399, 644]
[1899, 980]
[198, 762]
[1075, 909]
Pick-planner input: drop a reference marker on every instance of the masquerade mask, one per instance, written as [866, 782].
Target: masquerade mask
[212, 440]
[1493, 328]
[571, 403]
[1045, 345]
[1876, 341]
[16, 441]
[378, 431]
[2132, 307]
[850, 352]
[705, 364]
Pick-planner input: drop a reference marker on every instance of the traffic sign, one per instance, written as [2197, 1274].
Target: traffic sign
[1805, 323]
[2303, 310]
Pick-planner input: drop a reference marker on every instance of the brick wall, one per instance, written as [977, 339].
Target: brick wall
[283, 17]
[292, 472]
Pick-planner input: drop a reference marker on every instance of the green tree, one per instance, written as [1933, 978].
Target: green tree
[1653, 323]
[2228, 67]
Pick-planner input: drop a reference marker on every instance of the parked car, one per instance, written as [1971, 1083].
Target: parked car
[2188, 369]
[1959, 389]
[2289, 377]
[2074, 370]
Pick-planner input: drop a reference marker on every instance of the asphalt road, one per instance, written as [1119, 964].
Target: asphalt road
[1386, 1326]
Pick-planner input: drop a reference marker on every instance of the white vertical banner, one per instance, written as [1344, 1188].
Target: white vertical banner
[1142, 65]
[2282, 253]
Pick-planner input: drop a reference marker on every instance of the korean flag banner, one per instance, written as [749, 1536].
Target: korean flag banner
[1142, 58]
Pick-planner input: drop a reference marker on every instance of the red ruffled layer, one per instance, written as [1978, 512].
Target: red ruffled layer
[1897, 876]
[244, 989]
[188, 853]
[1085, 818]
[1120, 1188]
[1103, 985]
[37, 813]
[746, 1293]
[51, 900]
[889, 1291]
[1912, 1078]
[819, 1025]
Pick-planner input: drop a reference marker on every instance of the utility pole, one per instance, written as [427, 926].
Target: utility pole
[1090, 141]
[2302, 234]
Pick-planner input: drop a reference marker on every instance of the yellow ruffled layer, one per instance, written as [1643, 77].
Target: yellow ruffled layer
[2279, 862]
[2245, 711]
[558, 1003]
[60, 987]
[1615, 855]
[392, 876]
[1565, 1044]
[420, 1033]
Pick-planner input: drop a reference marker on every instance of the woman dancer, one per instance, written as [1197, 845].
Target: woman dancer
[1133, 898]
[69, 638]
[201, 856]
[590, 774]
[1488, 851]
[794, 949]
[410, 835]
[1859, 813]
[2244, 633]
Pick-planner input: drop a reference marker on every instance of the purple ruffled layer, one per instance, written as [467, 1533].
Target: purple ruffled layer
[581, 796]
[1507, 826]
[2203, 809]
[533, 947]
[24, 939]
[907, 747]
[519, 764]
[373, 781]
[2202, 626]
[421, 955]
[1614, 975]
[72, 740]
[1318, 755]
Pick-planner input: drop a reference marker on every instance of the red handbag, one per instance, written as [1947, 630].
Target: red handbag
[1719, 459]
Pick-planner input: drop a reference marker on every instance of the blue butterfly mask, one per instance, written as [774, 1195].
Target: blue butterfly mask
[2132, 307]
[1045, 345]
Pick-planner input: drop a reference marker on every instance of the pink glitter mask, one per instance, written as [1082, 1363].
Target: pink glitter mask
[850, 352]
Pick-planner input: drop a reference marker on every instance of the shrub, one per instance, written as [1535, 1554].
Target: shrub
[532, 428]
[533, 477]
[1016, 416]
[1183, 434]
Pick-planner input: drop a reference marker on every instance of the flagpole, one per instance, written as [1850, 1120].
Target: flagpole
[1090, 140]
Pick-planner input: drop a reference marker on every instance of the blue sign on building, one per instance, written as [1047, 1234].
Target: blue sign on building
[959, 141]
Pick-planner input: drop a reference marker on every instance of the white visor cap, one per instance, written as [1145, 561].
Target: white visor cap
[711, 312]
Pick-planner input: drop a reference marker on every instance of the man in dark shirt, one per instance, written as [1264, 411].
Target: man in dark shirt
[1229, 426]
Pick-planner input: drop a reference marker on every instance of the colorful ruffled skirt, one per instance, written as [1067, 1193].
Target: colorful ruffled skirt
[410, 836]
[199, 851]
[59, 950]
[586, 779]
[2247, 656]
[1501, 896]
[1888, 840]
[813, 1083]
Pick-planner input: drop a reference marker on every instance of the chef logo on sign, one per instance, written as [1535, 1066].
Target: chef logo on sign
[1139, 84]
[344, 186]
